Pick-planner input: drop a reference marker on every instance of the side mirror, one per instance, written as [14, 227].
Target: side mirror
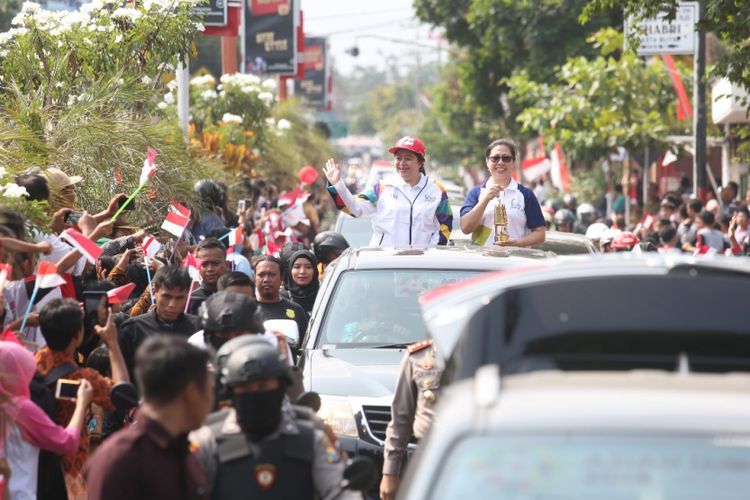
[124, 396]
[310, 399]
[286, 327]
[360, 474]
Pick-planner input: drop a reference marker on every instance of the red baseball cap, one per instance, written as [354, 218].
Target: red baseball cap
[410, 144]
[625, 240]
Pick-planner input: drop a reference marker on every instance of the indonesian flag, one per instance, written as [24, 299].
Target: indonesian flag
[151, 247]
[559, 170]
[193, 265]
[179, 208]
[149, 168]
[235, 236]
[534, 168]
[120, 294]
[47, 276]
[5, 271]
[175, 223]
[230, 254]
[88, 248]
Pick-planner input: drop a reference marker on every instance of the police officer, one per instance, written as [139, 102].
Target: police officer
[255, 450]
[412, 411]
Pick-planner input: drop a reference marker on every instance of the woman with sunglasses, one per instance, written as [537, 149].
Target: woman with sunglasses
[412, 210]
[524, 220]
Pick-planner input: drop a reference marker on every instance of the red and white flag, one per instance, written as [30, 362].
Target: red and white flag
[88, 248]
[47, 276]
[120, 294]
[175, 223]
[534, 168]
[235, 236]
[150, 246]
[6, 270]
[149, 168]
[193, 265]
[559, 173]
[179, 208]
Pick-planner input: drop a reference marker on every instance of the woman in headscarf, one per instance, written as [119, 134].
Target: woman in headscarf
[27, 427]
[301, 281]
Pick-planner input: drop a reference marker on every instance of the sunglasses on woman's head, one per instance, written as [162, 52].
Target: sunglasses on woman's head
[504, 158]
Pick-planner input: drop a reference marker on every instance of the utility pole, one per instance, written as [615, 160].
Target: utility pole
[699, 106]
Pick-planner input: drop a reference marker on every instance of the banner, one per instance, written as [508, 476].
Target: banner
[214, 12]
[313, 87]
[271, 36]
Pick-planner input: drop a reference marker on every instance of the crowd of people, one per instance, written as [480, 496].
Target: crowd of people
[202, 321]
[674, 222]
[91, 304]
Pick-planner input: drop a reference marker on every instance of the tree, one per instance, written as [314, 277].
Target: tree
[502, 36]
[728, 19]
[600, 103]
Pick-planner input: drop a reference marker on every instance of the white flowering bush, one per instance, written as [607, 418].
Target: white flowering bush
[81, 90]
[57, 55]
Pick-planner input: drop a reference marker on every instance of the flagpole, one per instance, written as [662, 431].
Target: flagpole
[148, 275]
[190, 294]
[127, 202]
[28, 308]
[175, 246]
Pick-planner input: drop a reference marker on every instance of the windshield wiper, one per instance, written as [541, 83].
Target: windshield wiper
[392, 346]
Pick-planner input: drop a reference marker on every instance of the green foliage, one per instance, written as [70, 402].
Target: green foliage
[728, 19]
[503, 36]
[80, 92]
[600, 103]
[8, 10]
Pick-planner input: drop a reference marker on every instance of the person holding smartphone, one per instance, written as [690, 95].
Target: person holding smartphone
[31, 429]
[525, 222]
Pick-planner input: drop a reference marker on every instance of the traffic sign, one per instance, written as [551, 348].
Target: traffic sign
[660, 36]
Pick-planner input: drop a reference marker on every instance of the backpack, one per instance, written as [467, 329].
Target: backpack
[50, 481]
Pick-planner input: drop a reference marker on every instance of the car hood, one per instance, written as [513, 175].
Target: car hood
[354, 372]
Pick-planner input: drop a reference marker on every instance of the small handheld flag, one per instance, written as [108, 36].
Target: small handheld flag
[175, 223]
[120, 294]
[88, 248]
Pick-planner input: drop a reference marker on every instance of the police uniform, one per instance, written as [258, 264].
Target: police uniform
[296, 461]
[413, 408]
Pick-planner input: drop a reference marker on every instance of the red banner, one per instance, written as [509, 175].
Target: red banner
[265, 7]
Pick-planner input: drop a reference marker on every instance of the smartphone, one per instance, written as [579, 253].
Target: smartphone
[131, 205]
[72, 218]
[93, 300]
[241, 206]
[67, 389]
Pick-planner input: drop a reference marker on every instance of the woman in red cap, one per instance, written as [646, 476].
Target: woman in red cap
[410, 211]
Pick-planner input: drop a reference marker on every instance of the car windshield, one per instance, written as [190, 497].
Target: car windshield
[517, 467]
[379, 307]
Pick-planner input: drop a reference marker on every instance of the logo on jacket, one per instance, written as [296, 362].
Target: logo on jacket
[265, 475]
[290, 313]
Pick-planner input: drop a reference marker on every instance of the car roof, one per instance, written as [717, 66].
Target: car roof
[590, 401]
[442, 257]
[566, 243]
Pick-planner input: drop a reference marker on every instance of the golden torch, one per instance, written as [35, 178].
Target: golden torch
[501, 223]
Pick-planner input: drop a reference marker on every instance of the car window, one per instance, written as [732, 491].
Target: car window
[379, 307]
[517, 467]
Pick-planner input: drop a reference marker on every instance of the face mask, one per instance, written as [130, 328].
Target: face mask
[259, 413]
[216, 341]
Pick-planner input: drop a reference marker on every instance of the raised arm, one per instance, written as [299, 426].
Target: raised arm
[363, 204]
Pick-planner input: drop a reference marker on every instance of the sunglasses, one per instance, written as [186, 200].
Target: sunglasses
[503, 158]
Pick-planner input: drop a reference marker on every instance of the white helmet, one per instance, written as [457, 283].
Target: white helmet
[585, 209]
[596, 231]
[608, 236]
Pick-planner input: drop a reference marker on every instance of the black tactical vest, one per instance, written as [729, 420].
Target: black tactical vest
[281, 469]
